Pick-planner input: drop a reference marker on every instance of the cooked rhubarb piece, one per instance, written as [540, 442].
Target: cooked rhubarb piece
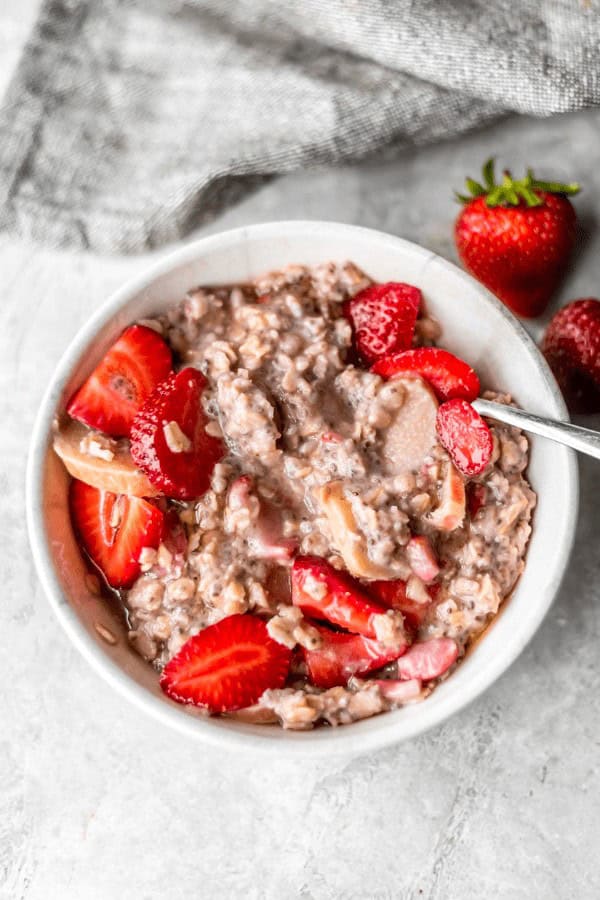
[422, 558]
[428, 659]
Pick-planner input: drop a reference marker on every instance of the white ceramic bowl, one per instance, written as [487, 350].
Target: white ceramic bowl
[475, 326]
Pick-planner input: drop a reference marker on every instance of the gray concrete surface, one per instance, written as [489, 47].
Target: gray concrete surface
[97, 803]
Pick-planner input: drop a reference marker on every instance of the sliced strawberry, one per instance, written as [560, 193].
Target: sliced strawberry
[342, 655]
[428, 659]
[227, 666]
[422, 558]
[127, 374]
[465, 436]
[278, 586]
[174, 536]
[448, 375]
[113, 529]
[383, 318]
[392, 595]
[181, 470]
[324, 593]
[476, 497]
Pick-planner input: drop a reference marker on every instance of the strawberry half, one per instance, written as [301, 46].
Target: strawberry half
[182, 469]
[465, 436]
[227, 666]
[428, 659]
[342, 655]
[325, 593]
[383, 318]
[113, 529]
[572, 347]
[516, 237]
[448, 375]
[127, 374]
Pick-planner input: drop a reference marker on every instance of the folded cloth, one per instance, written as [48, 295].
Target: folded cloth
[128, 122]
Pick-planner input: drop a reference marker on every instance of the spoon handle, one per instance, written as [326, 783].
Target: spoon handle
[582, 439]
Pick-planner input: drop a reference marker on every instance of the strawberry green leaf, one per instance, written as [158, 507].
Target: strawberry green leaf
[529, 197]
[475, 188]
[489, 178]
[509, 190]
[495, 197]
[512, 191]
[555, 187]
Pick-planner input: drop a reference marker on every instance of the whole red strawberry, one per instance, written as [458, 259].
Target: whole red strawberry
[572, 347]
[516, 237]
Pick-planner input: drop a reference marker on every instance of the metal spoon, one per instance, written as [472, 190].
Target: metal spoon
[582, 439]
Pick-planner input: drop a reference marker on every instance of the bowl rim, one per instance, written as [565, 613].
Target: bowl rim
[321, 741]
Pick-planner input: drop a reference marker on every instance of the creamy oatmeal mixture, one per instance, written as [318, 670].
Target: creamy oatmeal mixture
[323, 458]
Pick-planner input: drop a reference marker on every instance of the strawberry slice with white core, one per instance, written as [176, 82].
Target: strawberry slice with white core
[227, 666]
[428, 659]
[422, 558]
[448, 375]
[113, 529]
[383, 318]
[127, 374]
[465, 436]
[343, 655]
[323, 592]
[169, 441]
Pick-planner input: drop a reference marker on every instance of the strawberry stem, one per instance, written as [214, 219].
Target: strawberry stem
[512, 191]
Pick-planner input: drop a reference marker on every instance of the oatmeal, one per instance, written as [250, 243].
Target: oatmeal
[328, 497]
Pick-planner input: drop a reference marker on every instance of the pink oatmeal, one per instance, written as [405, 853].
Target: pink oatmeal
[323, 459]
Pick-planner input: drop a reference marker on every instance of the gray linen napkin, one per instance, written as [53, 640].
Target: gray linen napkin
[128, 123]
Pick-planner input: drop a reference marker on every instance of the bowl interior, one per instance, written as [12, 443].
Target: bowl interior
[475, 326]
